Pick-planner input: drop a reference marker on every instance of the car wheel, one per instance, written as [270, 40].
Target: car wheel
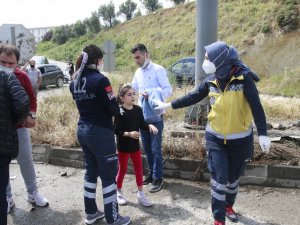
[59, 82]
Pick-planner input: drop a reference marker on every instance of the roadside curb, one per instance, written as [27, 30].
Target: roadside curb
[265, 175]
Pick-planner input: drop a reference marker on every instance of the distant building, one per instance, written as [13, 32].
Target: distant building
[18, 35]
[39, 32]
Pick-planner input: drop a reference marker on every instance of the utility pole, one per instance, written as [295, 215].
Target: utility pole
[13, 36]
[206, 33]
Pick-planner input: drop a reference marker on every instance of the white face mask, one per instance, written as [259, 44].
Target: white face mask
[208, 67]
[7, 69]
[100, 67]
[145, 64]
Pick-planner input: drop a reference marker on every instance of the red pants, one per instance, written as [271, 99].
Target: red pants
[136, 158]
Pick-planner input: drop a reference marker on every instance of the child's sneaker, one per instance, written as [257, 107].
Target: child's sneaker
[10, 203]
[142, 199]
[92, 218]
[120, 198]
[122, 220]
[38, 199]
[230, 214]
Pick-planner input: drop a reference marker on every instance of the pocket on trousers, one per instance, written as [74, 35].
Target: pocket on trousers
[111, 161]
[209, 162]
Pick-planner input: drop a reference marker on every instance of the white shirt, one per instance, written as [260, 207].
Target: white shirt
[33, 74]
[153, 76]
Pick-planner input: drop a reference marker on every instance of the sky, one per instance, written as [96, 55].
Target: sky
[47, 13]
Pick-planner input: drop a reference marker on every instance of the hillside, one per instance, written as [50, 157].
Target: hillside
[250, 25]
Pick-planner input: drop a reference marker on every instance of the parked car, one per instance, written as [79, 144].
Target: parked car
[183, 70]
[51, 75]
[40, 59]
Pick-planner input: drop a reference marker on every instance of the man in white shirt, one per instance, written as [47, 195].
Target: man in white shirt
[151, 76]
[34, 75]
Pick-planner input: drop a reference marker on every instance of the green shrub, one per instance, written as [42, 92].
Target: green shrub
[288, 16]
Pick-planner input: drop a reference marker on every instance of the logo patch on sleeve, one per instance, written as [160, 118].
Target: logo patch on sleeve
[109, 92]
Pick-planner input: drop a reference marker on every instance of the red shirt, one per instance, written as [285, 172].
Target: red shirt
[26, 84]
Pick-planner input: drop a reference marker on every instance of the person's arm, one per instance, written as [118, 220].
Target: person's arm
[163, 80]
[108, 97]
[118, 126]
[193, 97]
[39, 78]
[19, 100]
[26, 84]
[24, 68]
[251, 94]
[134, 84]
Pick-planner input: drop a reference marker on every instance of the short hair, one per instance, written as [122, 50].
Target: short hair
[10, 50]
[139, 47]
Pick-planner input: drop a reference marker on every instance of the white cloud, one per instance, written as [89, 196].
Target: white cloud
[44, 13]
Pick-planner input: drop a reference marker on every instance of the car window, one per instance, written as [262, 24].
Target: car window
[176, 69]
[42, 69]
[188, 68]
[50, 69]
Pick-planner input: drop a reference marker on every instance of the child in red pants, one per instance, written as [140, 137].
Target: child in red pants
[127, 127]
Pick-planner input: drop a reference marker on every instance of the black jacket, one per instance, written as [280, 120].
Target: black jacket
[14, 108]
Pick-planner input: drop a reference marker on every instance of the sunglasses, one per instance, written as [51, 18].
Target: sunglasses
[137, 57]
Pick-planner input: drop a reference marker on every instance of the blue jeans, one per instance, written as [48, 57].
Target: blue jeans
[226, 163]
[100, 159]
[4, 176]
[153, 151]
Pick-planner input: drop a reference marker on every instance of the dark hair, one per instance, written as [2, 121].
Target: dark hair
[122, 91]
[139, 47]
[94, 54]
[10, 50]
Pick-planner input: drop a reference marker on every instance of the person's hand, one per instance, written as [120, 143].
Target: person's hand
[153, 129]
[29, 122]
[144, 94]
[134, 134]
[264, 143]
[161, 105]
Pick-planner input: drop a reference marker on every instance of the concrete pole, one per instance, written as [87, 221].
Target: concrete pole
[206, 33]
[12, 36]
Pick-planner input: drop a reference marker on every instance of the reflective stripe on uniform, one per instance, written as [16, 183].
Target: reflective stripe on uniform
[89, 194]
[221, 187]
[109, 188]
[90, 185]
[233, 185]
[217, 196]
[110, 199]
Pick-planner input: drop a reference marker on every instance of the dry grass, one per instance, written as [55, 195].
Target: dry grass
[58, 116]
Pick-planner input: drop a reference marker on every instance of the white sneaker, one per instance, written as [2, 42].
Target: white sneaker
[120, 198]
[38, 199]
[143, 200]
[10, 203]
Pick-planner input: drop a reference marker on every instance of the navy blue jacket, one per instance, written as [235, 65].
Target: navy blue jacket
[94, 98]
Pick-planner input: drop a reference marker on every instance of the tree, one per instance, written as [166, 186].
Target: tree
[151, 5]
[48, 36]
[92, 23]
[178, 2]
[79, 28]
[61, 34]
[128, 9]
[138, 13]
[107, 12]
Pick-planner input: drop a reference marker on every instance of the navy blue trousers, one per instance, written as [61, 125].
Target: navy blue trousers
[226, 163]
[100, 160]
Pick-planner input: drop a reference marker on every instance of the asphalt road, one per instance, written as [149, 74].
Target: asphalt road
[180, 202]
